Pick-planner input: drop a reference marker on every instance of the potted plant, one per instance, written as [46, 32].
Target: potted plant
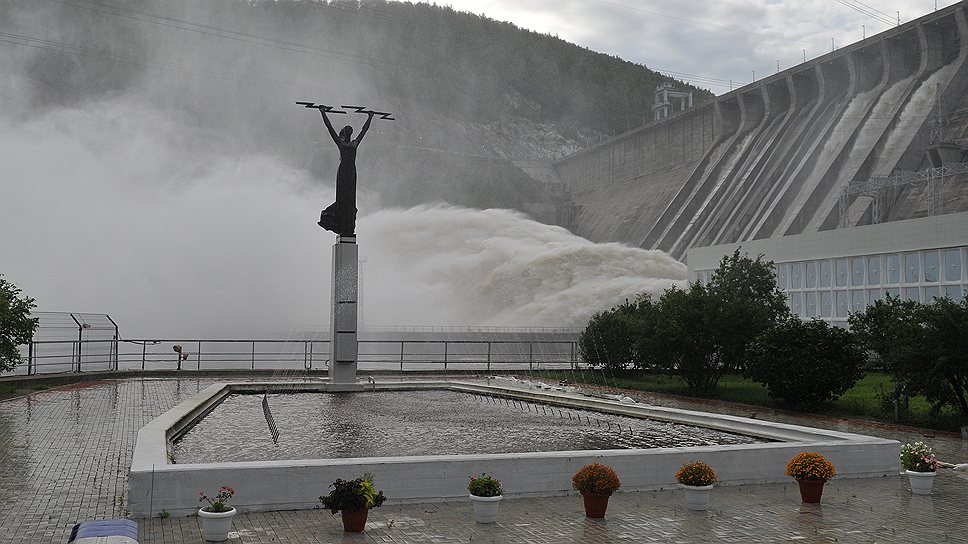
[596, 482]
[811, 470]
[920, 464]
[697, 479]
[217, 516]
[353, 499]
[486, 494]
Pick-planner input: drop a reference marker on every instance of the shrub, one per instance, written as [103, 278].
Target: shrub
[353, 495]
[918, 457]
[804, 363]
[810, 465]
[696, 473]
[16, 326]
[609, 339]
[484, 486]
[924, 346]
[596, 478]
[218, 503]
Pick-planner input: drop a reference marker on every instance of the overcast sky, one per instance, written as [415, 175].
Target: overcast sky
[716, 40]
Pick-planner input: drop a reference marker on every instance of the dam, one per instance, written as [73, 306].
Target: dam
[779, 157]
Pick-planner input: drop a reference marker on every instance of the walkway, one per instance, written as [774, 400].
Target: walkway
[64, 456]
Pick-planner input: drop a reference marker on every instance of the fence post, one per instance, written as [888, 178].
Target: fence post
[446, 343]
[401, 354]
[488, 356]
[144, 350]
[253, 355]
[30, 358]
[198, 356]
[530, 355]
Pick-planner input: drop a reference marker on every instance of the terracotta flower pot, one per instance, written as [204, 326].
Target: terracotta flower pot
[811, 490]
[354, 521]
[595, 504]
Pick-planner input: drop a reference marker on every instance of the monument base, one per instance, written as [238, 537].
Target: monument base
[343, 348]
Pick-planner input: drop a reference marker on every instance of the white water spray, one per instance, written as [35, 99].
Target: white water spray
[120, 209]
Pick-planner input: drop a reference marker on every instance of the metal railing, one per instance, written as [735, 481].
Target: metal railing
[51, 356]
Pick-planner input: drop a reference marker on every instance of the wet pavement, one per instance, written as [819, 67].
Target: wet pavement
[64, 457]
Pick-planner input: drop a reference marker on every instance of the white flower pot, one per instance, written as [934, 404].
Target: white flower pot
[921, 482]
[216, 525]
[485, 508]
[697, 496]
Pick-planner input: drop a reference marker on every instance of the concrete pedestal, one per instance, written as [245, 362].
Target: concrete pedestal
[343, 323]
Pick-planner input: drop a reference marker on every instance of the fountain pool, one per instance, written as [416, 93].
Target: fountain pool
[440, 471]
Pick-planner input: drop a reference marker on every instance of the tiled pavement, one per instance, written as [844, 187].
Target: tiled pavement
[64, 456]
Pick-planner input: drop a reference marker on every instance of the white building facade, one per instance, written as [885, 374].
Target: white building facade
[831, 274]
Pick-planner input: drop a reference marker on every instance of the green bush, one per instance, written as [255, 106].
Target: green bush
[16, 326]
[804, 363]
[924, 346]
[609, 339]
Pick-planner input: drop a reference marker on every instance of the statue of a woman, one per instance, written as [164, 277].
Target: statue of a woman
[340, 216]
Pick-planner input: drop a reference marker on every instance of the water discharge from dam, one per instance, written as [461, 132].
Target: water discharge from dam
[173, 232]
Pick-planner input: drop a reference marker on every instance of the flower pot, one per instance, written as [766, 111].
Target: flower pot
[921, 482]
[354, 521]
[697, 496]
[216, 525]
[811, 490]
[485, 508]
[595, 504]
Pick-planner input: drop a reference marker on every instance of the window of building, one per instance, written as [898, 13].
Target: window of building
[911, 293]
[912, 268]
[857, 271]
[841, 279]
[810, 304]
[781, 275]
[857, 301]
[796, 275]
[824, 273]
[954, 292]
[931, 292]
[842, 303]
[796, 304]
[893, 269]
[874, 295]
[873, 271]
[952, 265]
[825, 304]
[932, 270]
[892, 291]
[810, 274]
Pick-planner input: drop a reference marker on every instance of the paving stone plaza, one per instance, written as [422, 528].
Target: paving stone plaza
[65, 453]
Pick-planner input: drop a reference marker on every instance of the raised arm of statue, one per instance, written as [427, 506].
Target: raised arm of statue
[366, 127]
[332, 131]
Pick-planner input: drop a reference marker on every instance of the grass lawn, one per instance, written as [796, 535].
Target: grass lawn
[869, 398]
[10, 391]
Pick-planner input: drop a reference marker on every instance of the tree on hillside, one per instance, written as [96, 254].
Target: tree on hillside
[16, 325]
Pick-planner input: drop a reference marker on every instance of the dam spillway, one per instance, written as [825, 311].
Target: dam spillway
[772, 158]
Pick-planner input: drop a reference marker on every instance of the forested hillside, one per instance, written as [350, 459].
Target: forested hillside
[469, 93]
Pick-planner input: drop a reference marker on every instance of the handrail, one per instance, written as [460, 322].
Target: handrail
[49, 356]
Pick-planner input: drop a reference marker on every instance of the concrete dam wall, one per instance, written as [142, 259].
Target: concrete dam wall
[772, 158]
